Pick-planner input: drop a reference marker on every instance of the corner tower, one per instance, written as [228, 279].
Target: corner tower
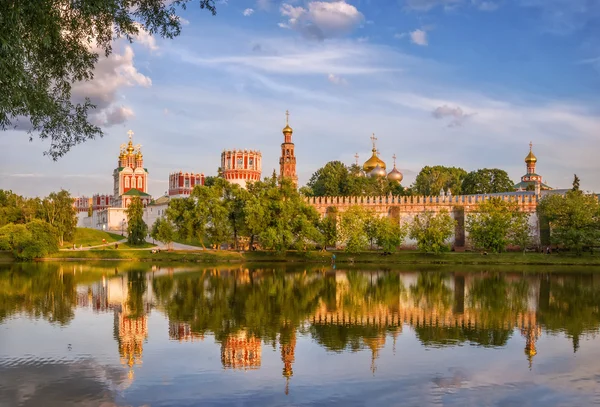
[287, 161]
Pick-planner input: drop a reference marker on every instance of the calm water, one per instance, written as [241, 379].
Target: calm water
[142, 335]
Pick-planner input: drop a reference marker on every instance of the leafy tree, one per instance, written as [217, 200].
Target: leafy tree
[576, 183]
[498, 223]
[211, 180]
[58, 211]
[431, 231]
[431, 180]
[329, 180]
[137, 230]
[486, 181]
[30, 241]
[235, 198]
[181, 213]
[574, 219]
[390, 234]
[352, 231]
[337, 179]
[163, 231]
[48, 45]
[328, 228]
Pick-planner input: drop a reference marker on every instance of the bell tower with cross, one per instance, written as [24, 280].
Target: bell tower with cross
[130, 178]
[287, 161]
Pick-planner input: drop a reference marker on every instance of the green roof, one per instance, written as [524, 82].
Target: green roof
[525, 184]
[135, 192]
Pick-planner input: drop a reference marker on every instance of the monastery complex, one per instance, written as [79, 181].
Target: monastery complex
[130, 179]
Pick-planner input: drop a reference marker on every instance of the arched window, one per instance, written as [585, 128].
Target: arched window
[132, 182]
[140, 183]
[126, 182]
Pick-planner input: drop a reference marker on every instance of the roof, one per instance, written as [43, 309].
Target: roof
[161, 201]
[525, 184]
[135, 192]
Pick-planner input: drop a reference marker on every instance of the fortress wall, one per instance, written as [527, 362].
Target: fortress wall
[460, 207]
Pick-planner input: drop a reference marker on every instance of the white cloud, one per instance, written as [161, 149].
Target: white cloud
[248, 12]
[144, 38]
[419, 37]
[264, 4]
[485, 5]
[321, 20]
[399, 36]
[336, 80]
[307, 58]
[426, 5]
[111, 75]
[112, 116]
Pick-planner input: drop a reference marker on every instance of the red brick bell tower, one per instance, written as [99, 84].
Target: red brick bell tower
[287, 162]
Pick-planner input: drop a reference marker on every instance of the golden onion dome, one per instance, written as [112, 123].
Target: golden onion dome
[287, 129]
[373, 162]
[531, 158]
[139, 155]
[130, 148]
[395, 175]
[377, 172]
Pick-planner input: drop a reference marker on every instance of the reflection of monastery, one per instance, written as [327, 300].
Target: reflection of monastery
[130, 179]
[441, 311]
[130, 313]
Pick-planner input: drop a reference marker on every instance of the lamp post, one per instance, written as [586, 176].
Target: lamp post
[122, 226]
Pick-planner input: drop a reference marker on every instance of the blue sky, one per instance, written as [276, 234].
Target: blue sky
[467, 83]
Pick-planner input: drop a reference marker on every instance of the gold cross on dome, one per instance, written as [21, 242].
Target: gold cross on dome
[356, 156]
[287, 117]
[394, 157]
[130, 133]
[530, 145]
[373, 139]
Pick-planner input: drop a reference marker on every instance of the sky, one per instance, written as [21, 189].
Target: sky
[465, 83]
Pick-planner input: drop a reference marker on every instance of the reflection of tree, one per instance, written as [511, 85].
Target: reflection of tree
[39, 290]
[573, 306]
[220, 304]
[137, 286]
[431, 291]
[497, 300]
[432, 335]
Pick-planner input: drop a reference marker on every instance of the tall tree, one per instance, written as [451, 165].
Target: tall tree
[162, 230]
[574, 219]
[390, 234]
[137, 230]
[352, 231]
[496, 224]
[337, 179]
[58, 211]
[431, 180]
[575, 183]
[46, 47]
[432, 231]
[486, 181]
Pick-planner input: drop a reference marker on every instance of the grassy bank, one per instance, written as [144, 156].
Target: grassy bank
[91, 237]
[325, 257]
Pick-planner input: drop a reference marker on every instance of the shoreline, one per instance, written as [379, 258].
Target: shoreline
[318, 257]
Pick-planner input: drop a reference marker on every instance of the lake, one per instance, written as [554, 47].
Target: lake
[131, 334]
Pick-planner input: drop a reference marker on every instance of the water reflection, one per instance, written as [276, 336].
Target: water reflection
[341, 311]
